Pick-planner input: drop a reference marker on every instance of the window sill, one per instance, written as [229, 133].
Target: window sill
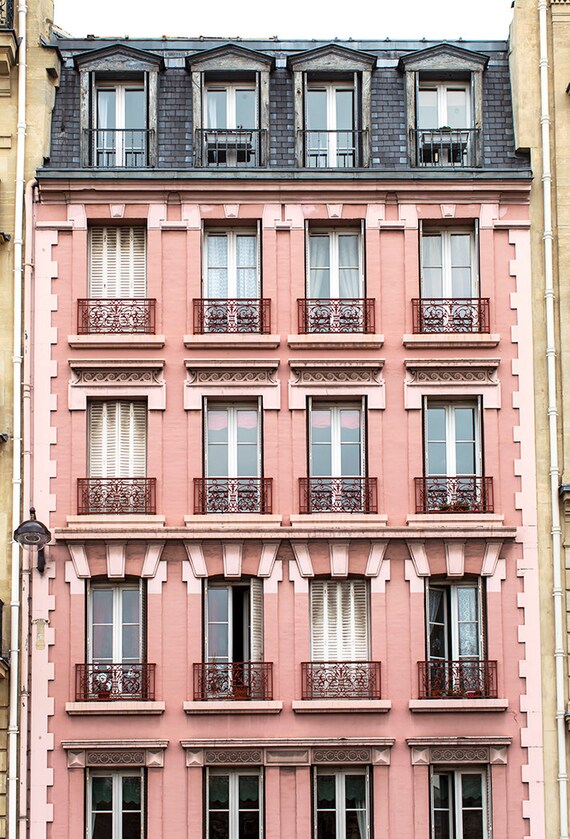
[341, 706]
[116, 521]
[446, 706]
[115, 341]
[336, 341]
[232, 521]
[316, 521]
[126, 707]
[453, 340]
[231, 340]
[421, 519]
[233, 706]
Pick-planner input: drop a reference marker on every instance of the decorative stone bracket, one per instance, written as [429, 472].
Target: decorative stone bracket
[83, 754]
[451, 750]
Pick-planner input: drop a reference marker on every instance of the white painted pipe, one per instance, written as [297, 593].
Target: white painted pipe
[557, 587]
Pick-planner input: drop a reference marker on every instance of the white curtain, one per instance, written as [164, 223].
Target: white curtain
[217, 267]
[319, 279]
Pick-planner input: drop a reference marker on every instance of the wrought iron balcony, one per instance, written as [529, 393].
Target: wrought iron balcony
[230, 147]
[128, 315]
[460, 494]
[6, 14]
[233, 680]
[116, 495]
[114, 681]
[341, 680]
[232, 495]
[450, 315]
[446, 147]
[333, 149]
[338, 495]
[245, 315]
[457, 679]
[119, 148]
[349, 314]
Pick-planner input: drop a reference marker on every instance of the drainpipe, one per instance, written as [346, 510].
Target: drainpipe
[17, 427]
[556, 533]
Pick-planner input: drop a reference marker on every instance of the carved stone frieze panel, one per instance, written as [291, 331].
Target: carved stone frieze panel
[234, 378]
[116, 379]
[457, 377]
[228, 757]
[336, 378]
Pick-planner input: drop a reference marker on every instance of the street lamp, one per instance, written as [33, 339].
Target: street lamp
[33, 535]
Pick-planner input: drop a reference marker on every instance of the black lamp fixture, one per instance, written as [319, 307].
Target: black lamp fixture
[33, 535]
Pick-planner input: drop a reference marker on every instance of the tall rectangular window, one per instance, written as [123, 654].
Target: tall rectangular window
[231, 106]
[444, 105]
[335, 264]
[336, 440]
[234, 804]
[117, 262]
[448, 263]
[232, 265]
[115, 804]
[117, 439]
[120, 119]
[341, 803]
[233, 440]
[459, 806]
[453, 439]
[330, 138]
[339, 620]
[234, 622]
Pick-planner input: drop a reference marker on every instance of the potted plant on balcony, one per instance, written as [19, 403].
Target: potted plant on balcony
[102, 684]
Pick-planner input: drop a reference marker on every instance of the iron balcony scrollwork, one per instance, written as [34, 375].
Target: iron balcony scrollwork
[106, 681]
[128, 315]
[251, 315]
[334, 149]
[230, 147]
[446, 147]
[232, 495]
[450, 315]
[245, 680]
[463, 679]
[459, 494]
[341, 680]
[119, 148]
[336, 315]
[116, 495]
[338, 495]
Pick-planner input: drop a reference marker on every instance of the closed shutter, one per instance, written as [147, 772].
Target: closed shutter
[339, 620]
[117, 439]
[132, 439]
[102, 440]
[256, 619]
[117, 262]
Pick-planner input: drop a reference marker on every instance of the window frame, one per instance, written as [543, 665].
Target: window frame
[451, 622]
[232, 444]
[119, 432]
[450, 436]
[365, 629]
[137, 267]
[456, 812]
[340, 774]
[117, 775]
[230, 88]
[233, 798]
[334, 234]
[442, 87]
[331, 88]
[231, 234]
[313, 403]
[446, 232]
[253, 635]
[117, 625]
[121, 151]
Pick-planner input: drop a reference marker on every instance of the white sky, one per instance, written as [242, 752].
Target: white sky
[230, 19]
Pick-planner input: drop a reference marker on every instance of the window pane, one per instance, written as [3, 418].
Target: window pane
[436, 424]
[245, 109]
[316, 110]
[102, 643]
[216, 116]
[219, 792]
[465, 424]
[101, 793]
[217, 608]
[217, 641]
[461, 285]
[135, 116]
[131, 826]
[344, 110]
[437, 645]
[350, 459]
[432, 256]
[472, 824]
[248, 792]
[131, 793]
[217, 426]
[467, 603]
[248, 825]
[217, 461]
[131, 647]
[457, 108]
[436, 605]
[465, 458]
[441, 825]
[326, 795]
[437, 459]
[326, 825]
[219, 826]
[321, 460]
[321, 424]
[131, 603]
[355, 786]
[460, 250]
[468, 640]
[102, 826]
[441, 791]
[427, 109]
[356, 824]
[247, 461]
[349, 426]
[472, 791]
[246, 426]
[102, 600]
[106, 109]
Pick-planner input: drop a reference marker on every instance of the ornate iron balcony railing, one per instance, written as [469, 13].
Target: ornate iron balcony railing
[116, 315]
[230, 147]
[233, 680]
[460, 494]
[338, 495]
[6, 14]
[119, 148]
[114, 681]
[232, 495]
[457, 679]
[350, 314]
[116, 495]
[341, 680]
[333, 149]
[246, 315]
[450, 315]
[446, 147]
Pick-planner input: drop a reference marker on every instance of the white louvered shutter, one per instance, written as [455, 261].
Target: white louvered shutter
[103, 440]
[117, 439]
[117, 262]
[339, 620]
[131, 442]
[256, 619]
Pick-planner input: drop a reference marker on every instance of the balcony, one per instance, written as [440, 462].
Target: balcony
[7, 14]
[233, 495]
[338, 495]
[341, 680]
[461, 494]
[350, 314]
[235, 680]
[129, 315]
[227, 316]
[108, 496]
[457, 679]
[119, 148]
[434, 315]
[107, 682]
[230, 148]
[454, 148]
[333, 149]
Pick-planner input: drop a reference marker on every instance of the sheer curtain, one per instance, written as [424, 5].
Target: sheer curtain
[349, 269]
[246, 268]
[319, 279]
[217, 280]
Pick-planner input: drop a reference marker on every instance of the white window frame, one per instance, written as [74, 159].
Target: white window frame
[230, 89]
[253, 620]
[350, 636]
[451, 624]
[117, 777]
[335, 409]
[340, 796]
[125, 438]
[334, 235]
[120, 89]
[442, 88]
[450, 436]
[233, 798]
[455, 809]
[232, 236]
[124, 273]
[331, 148]
[446, 234]
[232, 408]
[117, 589]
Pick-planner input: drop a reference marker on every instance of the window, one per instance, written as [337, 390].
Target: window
[459, 806]
[115, 804]
[234, 804]
[330, 138]
[444, 104]
[233, 642]
[231, 136]
[341, 803]
[117, 262]
[121, 135]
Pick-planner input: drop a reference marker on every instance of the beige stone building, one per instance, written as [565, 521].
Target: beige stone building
[29, 70]
[540, 71]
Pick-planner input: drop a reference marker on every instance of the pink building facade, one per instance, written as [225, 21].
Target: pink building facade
[281, 424]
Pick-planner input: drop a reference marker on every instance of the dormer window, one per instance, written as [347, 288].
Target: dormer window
[120, 137]
[230, 119]
[330, 136]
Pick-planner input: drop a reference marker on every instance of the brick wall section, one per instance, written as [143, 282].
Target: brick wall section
[175, 141]
[65, 126]
[388, 120]
[281, 120]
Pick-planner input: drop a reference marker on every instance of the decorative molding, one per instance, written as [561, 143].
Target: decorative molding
[117, 210]
[116, 552]
[287, 752]
[357, 754]
[287, 757]
[376, 557]
[430, 750]
[78, 554]
[234, 378]
[267, 559]
[338, 555]
[232, 554]
[418, 555]
[491, 557]
[455, 557]
[334, 210]
[357, 378]
[231, 210]
[116, 379]
[440, 754]
[303, 558]
[152, 558]
[82, 754]
[463, 377]
[232, 757]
